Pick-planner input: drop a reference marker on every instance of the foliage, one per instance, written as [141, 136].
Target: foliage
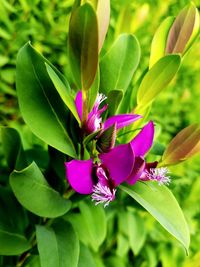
[43, 221]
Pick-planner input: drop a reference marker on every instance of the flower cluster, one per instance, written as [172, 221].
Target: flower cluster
[99, 176]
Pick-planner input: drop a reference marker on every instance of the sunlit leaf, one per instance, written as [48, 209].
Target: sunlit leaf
[119, 63]
[156, 79]
[162, 205]
[158, 44]
[183, 146]
[103, 16]
[181, 30]
[34, 193]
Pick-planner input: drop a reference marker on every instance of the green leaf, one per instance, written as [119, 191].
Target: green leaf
[91, 136]
[103, 16]
[183, 146]
[119, 63]
[93, 92]
[12, 148]
[85, 257]
[181, 30]
[137, 232]
[95, 219]
[156, 79]
[114, 99]
[162, 205]
[12, 243]
[158, 44]
[64, 92]
[12, 225]
[83, 45]
[40, 104]
[90, 224]
[58, 245]
[34, 193]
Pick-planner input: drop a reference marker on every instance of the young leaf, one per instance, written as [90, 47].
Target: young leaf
[83, 45]
[13, 149]
[103, 16]
[156, 79]
[58, 245]
[34, 193]
[158, 44]
[162, 205]
[119, 63]
[181, 30]
[40, 104]
[63, 91]
[106, 140]
[183, 146]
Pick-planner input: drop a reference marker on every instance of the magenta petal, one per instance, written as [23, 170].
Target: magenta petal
[79, 175]
[79, 104]
[121, 120]
[143, 141]
[138, 169]
[119, 162]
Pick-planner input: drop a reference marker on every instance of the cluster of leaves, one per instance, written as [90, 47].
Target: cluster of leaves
[83, 235]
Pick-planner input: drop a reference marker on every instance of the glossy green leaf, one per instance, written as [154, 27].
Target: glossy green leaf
[183, 146]
[181, 30]
[34, 193]
[162, 205]
[103, 16]
[114, 99]
[156, 79]
[119, 63]
[58, 245]
[158, 44]
[40, 104]
[64, 92]
[85, 257]
[13, 149]
[83, 45]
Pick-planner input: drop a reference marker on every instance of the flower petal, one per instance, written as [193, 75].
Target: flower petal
[143, 141]
[79, 104]
[121, 120]
[79, 175]
[119, 162]
[138, 169]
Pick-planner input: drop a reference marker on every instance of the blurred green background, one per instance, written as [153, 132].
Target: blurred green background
[45, 24]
